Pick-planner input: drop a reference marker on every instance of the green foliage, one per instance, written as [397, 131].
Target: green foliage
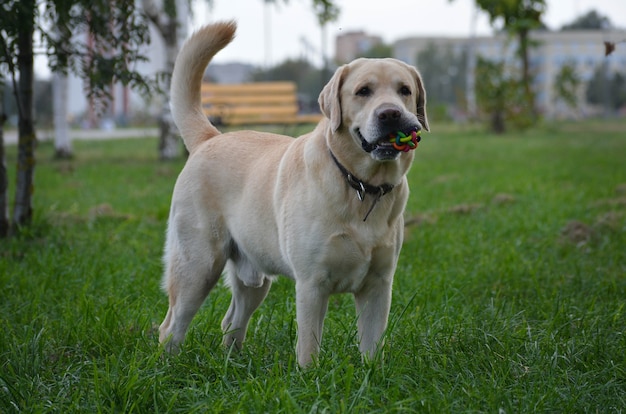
[509, 295]
[169, 7]
[97, 40]
[500, 95]
[592, 20]
[566, 83]
[307, 77]
[516, 15]
[607, 88]
[42, 96]
[380, 50]
[326, 11]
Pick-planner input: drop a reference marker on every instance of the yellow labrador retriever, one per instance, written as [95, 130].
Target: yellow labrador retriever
[325, 209]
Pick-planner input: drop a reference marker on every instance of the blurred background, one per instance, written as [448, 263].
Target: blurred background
[469, 59]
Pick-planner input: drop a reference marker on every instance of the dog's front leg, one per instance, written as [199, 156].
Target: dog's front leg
[373, 302]
[311, 306]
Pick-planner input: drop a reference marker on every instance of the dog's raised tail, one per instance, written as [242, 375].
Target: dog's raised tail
[185, 94]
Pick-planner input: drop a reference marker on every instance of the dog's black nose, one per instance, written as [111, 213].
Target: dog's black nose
[388, 115]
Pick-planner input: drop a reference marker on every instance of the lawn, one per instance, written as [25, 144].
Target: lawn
[510, 294]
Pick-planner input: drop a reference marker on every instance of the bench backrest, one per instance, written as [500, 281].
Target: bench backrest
[250, 103]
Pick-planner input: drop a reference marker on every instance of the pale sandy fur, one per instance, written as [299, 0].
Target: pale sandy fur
[260, 205]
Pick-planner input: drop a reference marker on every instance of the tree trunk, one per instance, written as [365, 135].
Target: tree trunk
[4, 181]
[169, 143]
[172, 32]
[526, 78]
[62, 141]
[497, 122]
[470, 74]
[22, 208]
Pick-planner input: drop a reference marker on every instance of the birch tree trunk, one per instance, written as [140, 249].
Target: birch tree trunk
[22, 208]
[62, 140]
[167, 18]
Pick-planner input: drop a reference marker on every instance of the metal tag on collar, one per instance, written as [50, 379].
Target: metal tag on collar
[361, 192]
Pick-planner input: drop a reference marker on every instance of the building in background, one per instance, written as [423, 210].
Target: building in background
[584, 50]
[351, 45]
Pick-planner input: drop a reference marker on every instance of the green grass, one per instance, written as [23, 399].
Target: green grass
[509, 296]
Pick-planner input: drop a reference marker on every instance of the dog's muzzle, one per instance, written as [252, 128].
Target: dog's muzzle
[390, 121]
[383, 148]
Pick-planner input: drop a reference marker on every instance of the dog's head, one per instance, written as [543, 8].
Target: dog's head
[373, 98]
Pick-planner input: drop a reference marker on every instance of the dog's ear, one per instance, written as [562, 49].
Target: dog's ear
[421, 100]
[330, 98]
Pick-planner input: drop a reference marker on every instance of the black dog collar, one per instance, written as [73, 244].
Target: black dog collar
[361, 186]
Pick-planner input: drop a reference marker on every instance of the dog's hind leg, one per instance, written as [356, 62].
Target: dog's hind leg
[191, 271]
[246, 298]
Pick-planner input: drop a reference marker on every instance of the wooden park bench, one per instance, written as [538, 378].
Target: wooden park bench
[254, 103]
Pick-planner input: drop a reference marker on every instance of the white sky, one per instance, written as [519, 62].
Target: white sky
[390, 19]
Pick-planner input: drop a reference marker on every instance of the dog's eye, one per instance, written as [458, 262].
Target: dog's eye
[364, 91]
[405, 91]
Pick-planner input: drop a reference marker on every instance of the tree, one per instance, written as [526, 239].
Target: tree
[592, 20]
[499, 94]
[493, 92]
[567, 84]
[4, 201]
[167, 20]
[115, 29]
[518, 18]
[325, 11]
[62, 141]
[60, 86]
[607, 89]
[22, 40]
